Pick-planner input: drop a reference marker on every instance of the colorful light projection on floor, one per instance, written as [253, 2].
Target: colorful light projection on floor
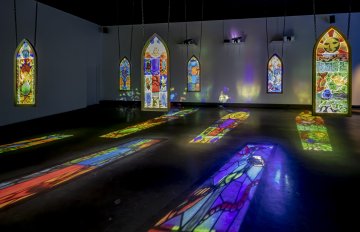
[31, 142]
[313, 133]
[220, 204]
[18, 189]
[148, 124]
[217, 130]
[332, 75]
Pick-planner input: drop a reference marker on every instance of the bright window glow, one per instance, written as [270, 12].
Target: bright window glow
[148, 124]
[31, 142]
[275, 75]
[18, 189]
[125, 79]
[193, 75]
[313, 133]
[25, 74]
[155, 75]
[221, 202]
[332, 80]
[222, 126]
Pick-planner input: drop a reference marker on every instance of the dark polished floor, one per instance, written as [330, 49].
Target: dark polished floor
[299, 191]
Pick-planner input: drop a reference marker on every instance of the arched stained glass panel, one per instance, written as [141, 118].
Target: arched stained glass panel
[125, 79]
[25, 74]
[155, 78]
[332, 74]
[275, 75]
[193, 75]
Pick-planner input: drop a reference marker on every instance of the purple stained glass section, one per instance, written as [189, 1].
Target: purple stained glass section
[221, 203]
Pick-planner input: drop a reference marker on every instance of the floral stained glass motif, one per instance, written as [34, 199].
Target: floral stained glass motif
[25, 74]
[125, 79]
[24, 187]
[155, 78]
[313, 133]
[149, 123]
[332, 77]
[275, 75]
[221, 202]
[222, 126]
[31, 142]
[193, 75]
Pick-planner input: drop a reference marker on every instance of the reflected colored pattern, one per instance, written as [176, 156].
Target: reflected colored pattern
[222, 126]
[193, 75]
[275, 75]
[313, 133]
[332, 78]
[149, 123]
[155, 80]
[31, 142]
[25, 74]
[125, 74]
[18, 189]
[220, 204]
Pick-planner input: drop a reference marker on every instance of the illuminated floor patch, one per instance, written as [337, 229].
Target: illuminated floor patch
[149, 123]
[31, 142]
[222, 126]
[220, 204]
[18, 189]
[313, 133]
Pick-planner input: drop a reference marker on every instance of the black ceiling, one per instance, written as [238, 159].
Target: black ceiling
[120, 12]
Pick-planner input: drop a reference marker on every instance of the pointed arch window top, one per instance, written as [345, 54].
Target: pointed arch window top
[25, 74]
[332, 74]
[275, 75]
[125, 74]
[193, 74]
[155, 78]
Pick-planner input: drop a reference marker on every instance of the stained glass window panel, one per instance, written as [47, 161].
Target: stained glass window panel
[25, 74]
[155, 75]
[125, 79]
[332, 77]
[275, 75]
[193, 75]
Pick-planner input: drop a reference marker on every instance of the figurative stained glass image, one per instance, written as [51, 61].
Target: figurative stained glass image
[222, 126]
[193, 75]
[221, 203]
[149, 123]
[275, 75]
[332, 77]
[155, 80]
[31, 142]
[313, 133]
[125, 74]
[25, 74]
[18, 189]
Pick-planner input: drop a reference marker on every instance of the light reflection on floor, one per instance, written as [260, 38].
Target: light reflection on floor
[221, 203]
[312, 132]
[172, 115]
[31, 142]
[21, 188]
[222, 126]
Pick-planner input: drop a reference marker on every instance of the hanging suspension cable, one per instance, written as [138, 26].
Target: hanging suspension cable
[283, 34]
[142, 20]
[186, 33]
[132, 29]
[201, 27]
[168, 25]
[314, 12]
[36, 19]
[16, 35]
[118, 29]
[349, 20]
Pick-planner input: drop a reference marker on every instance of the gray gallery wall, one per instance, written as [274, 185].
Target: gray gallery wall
[239, 68]
[68, 50]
